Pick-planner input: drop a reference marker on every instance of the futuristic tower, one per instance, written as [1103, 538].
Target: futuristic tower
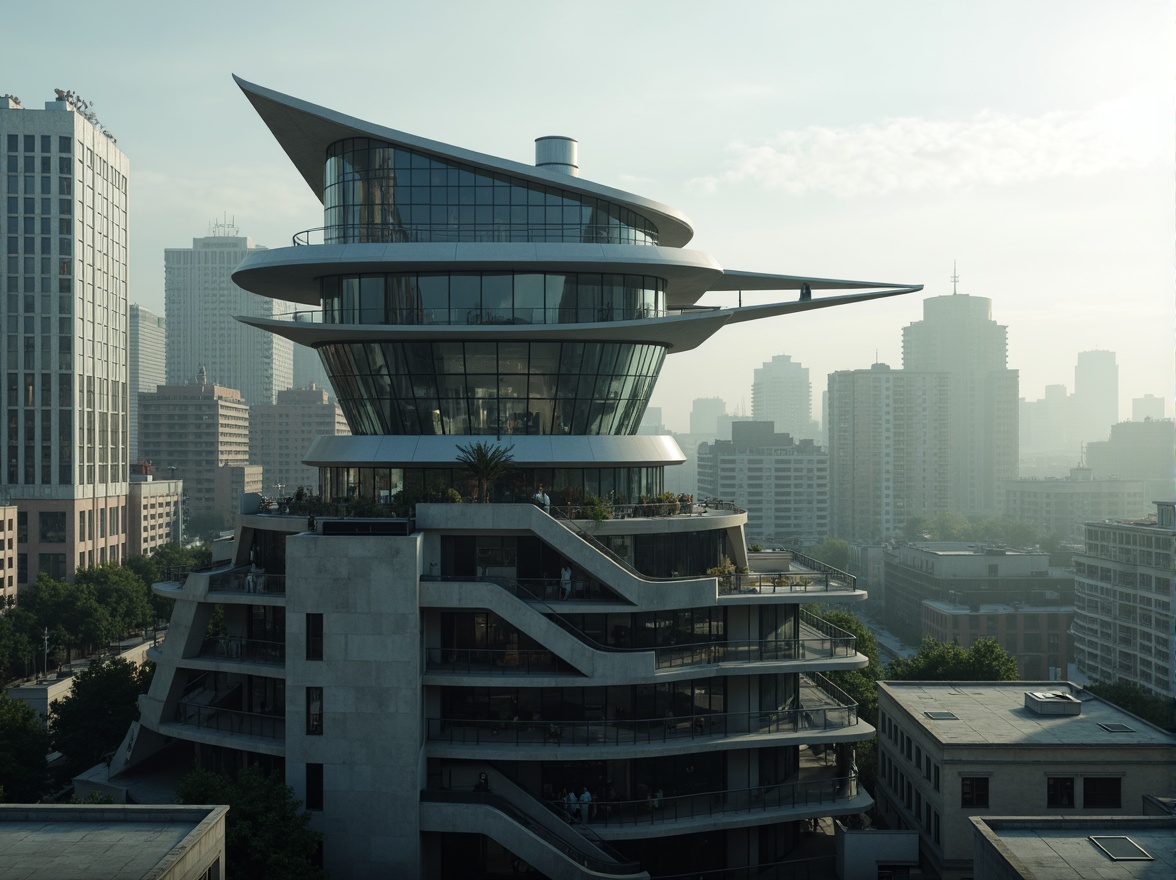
[385, 663]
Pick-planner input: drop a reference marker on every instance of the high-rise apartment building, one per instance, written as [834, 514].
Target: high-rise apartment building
[1137, 451]
[782, 393]
[156, 510]
[189, 431]
[1096, 394]
[1147, 407]
[782, 483]
[957, 336]
[1060, 507]
[281, 433]
[147, 337]
[64, 337]
[705, 415]
[1124, 628]
[201, 302]
[410, 676]
[888, 450]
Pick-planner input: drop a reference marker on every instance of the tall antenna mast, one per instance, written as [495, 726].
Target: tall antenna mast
[955, 278]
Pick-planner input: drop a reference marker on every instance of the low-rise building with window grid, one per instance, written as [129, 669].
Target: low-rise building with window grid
[951, 750]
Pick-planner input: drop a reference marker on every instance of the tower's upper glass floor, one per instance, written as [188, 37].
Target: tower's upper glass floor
[375, 192]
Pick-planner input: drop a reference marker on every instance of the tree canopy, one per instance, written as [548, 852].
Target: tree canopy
[24, 743]
[1160, 711]
[834, 552]
[93, 718]
[266, 832]
[985, 660]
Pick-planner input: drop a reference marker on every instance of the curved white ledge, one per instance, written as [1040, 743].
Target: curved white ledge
[676, 332]
[542, 449]
[292, 274]
[305, 131]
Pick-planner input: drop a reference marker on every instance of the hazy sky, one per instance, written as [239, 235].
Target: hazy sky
[1030, 141]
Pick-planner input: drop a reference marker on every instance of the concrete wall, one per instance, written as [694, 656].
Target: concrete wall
[861, 852]
[372, 733]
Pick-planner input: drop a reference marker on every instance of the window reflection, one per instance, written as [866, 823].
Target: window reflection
[491, 298]
[493, 387]
[376, 192]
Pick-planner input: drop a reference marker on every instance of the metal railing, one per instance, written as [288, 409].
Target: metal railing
[498, 661]
[409, 233]
[653, 807]
[208, 717]
[626, 732]
[744, 583]
[601, 866]
[242, 579]
[254, 650]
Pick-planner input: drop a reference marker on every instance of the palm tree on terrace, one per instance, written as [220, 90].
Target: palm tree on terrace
[485, 462]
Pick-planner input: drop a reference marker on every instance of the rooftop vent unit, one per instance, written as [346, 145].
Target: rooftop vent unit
[1052, 703]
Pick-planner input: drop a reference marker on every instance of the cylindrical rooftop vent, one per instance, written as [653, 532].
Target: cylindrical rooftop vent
[557, 153]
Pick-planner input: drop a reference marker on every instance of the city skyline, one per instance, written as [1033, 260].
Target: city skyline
[930, 134]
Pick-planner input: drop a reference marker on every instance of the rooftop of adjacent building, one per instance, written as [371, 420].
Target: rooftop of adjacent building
[79, 841]
[997, 607]
[995, 714]
[963, 548]
[1060, 848]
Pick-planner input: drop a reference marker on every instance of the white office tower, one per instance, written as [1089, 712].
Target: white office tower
[957, 336]
[1096, 394]
[148, 362]
[64, 338]
[431, 676]
[201, 304]
[781, 393]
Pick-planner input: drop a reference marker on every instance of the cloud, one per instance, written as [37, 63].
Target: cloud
[912, 154]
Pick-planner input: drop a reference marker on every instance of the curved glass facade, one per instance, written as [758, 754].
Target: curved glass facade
[380, 485]
[493, 387]
[491, 298]
[375, 192]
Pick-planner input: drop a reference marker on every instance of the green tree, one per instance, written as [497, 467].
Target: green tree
[150, 572]
[19, 639]
[24, 743]
[122, 593]
[1160, 711]
[861, 685]
[93, 718]
[485, 463]
[72, 612]
[266, 832]
[986, 660]
[834, 552]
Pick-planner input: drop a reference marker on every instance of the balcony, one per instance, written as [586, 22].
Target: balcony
[243, 579]
[245, 650]
[411, 233]
[821, 708]
[233, 721]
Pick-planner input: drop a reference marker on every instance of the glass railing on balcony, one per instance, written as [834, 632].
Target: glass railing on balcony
[251, 650]
[235, 721]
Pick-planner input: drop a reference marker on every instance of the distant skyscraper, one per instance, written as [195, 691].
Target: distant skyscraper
[1137, 451]
[1096, 394]
[957, 336]
[280, 434]
[704, 416]
[201, 302]
[783, 484]
[1047, 425]
[888, 450]
[147, 338]
[782, 394]
[1147, 407]
[189, 431]
[64, 341]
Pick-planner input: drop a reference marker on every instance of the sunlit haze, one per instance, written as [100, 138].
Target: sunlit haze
[1030, 142]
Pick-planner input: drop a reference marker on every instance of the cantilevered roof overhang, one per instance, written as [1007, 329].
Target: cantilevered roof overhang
[676, 332]
[305, 131]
